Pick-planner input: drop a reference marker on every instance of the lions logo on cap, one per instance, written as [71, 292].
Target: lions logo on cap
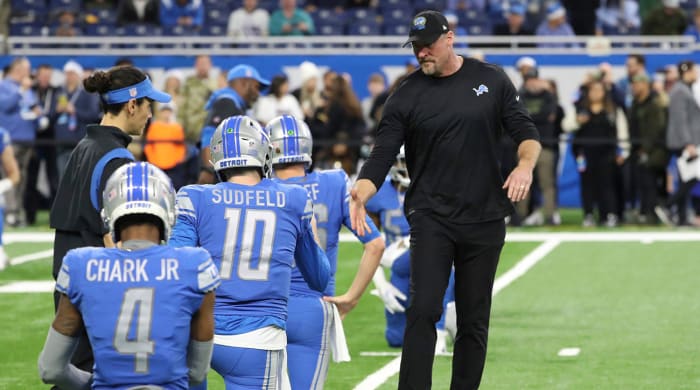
[419, 23]
[133, 92]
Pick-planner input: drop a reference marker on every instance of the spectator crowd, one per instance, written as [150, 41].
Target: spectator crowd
[260, 18]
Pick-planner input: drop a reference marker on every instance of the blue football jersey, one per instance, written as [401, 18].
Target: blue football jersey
[137, 307]
[387, 203]
[254, 234]
[330, 193]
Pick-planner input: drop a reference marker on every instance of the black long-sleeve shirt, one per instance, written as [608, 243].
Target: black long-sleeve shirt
[451, 128]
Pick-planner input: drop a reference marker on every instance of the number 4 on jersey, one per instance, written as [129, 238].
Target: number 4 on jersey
[141, 346]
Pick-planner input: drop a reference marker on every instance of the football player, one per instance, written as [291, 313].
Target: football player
[255, 230]
[386, 208]
[147, 308]
[311, 319]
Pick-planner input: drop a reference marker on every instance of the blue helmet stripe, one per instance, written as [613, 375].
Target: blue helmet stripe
[285, 139]
[291, 126]
[137, 182]
[230, 139]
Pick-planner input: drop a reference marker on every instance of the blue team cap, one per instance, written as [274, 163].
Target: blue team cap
[248, 72]
[517, 9]
[136, 91]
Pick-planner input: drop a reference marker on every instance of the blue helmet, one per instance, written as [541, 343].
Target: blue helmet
[138, 188]
[291, 140]
[240, 142]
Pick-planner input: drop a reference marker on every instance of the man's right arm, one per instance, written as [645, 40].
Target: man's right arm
[390, 137]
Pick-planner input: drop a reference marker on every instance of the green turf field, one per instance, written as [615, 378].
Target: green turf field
[632, 308]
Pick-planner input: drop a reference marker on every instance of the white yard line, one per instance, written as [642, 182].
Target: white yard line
[47, 254]
[37, 286]
[9, 238]
[569, 352]
[379, 377]
[611, 236]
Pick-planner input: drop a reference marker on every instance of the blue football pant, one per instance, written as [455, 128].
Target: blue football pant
[308, 336]
[396, 323]
[246, 368]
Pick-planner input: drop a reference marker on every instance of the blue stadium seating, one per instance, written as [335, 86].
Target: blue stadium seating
[361, 14]
[65, 5]
[214, 30]
[25, 29]
[217, 16]
[327, 16]
[395, 28]
[142, 30]
[324, 28]
[420, 5]
[395, 15]
[102, 30]
[28, 5]
[365, 27]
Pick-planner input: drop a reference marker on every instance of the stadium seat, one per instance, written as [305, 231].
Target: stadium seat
[326, 28]
[65, 5]
[179, 31]
[363, 28]
[421, 5]
[101, 30]
[483, 27]
[395, 29]
[28, 5]
[396, 15]
[328, 16]
[217, 16]
[361, 14]
[142, 30]
[270, 5]
[25, 29]
[214, 30]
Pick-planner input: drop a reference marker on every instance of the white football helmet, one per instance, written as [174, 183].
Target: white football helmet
[398, 171]
[138, 188]
[240, 142]
[291, 140]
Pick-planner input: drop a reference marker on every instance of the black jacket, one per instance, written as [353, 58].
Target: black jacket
[452, 128]
[79, 197]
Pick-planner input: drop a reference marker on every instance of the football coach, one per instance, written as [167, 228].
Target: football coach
[450, 115]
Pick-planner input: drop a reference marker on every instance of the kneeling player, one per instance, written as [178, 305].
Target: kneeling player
[147, 308]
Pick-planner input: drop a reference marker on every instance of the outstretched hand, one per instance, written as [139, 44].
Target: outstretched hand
[358, 213]
[518, 183]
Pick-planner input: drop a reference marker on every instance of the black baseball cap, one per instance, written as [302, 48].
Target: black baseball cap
[685, 66]
[426, 28]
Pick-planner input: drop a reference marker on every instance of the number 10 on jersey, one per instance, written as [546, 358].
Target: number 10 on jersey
[253, 252]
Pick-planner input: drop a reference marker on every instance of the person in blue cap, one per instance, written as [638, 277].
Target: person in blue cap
[126, 94]
[243, 90]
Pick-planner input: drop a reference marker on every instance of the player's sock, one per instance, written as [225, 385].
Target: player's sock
[441, 343]
[4, 261]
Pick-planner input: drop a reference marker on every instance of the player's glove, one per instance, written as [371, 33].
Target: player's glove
[394, 251]
[388, 293]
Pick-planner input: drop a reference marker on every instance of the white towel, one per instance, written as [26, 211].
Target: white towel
[339, 346]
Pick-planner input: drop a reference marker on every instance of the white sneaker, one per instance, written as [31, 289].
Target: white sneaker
[4, 260]
[534, 219]
[441, 343]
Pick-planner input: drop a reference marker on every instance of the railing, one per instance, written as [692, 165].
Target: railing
[339, 45]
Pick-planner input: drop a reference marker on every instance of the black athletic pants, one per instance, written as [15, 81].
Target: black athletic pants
[63, 242]
[475, 249]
